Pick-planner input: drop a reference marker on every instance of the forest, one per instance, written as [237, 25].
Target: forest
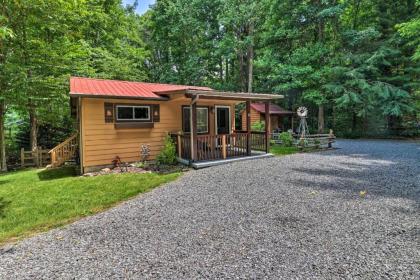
[353, 63]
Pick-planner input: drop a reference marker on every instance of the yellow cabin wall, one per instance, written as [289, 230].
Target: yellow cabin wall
[101, 142]
[255, 117]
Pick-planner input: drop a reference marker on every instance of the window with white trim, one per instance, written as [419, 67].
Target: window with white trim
[202, 119]
[133, 113]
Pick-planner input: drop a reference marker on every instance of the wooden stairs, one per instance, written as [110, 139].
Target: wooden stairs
[65, 151]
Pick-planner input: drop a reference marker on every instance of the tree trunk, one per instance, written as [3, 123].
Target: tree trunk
[34, 127]
[365, 124]
[321, 33]
[221, 69]
[250, 58]
[356, 9]
[3, 164]
[227, 71]
[321, 119]
[242, 74]
[353, 122]
[250, 67]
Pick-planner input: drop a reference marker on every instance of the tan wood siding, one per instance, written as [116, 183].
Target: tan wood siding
[255, 117]
[102, 142]
[274, 121]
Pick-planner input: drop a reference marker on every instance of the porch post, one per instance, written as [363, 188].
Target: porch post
[193, 117]
[267, 126]
[178, 139]
[248, 127]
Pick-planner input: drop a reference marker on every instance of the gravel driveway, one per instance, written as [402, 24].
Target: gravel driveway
[292, 217]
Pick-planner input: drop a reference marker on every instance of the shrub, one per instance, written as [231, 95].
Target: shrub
[286, 139]
[168, 154]
[258, 126]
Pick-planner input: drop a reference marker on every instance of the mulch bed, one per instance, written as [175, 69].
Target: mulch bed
[161, 169]
[117, 170]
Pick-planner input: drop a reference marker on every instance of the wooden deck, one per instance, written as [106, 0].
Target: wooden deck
[220, 148]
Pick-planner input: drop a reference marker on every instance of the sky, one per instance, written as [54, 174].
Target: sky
[143, 5]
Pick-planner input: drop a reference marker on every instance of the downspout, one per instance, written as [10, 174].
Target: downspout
[80, 119]
[194, 100]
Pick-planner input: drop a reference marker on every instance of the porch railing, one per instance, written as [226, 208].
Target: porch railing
[215, 147]
[258, 142]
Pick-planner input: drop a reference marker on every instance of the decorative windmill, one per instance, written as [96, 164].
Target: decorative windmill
[303, 126]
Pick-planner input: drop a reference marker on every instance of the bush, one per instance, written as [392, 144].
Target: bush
[168, 154]
[286, 139]
[258, 126]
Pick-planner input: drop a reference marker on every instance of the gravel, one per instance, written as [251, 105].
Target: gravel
[299, 216]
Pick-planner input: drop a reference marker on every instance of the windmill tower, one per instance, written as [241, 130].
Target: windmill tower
[303, 125]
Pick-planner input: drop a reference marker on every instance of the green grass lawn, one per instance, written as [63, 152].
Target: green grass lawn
[279, 150]
[36, 200]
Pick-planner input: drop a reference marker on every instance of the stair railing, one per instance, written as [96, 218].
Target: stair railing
[64, 151]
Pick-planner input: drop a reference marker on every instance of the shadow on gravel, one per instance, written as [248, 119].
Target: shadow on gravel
[388, 170]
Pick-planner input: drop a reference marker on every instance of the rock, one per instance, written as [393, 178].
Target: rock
[107, 170]
[88, 175]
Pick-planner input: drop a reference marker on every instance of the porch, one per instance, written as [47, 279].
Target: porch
[223, 143]
[217, 149]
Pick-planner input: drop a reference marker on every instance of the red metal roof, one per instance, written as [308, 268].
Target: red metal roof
[98, 87]
[274, 109]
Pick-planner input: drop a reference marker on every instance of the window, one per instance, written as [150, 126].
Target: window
[133, 113]
[202, 119]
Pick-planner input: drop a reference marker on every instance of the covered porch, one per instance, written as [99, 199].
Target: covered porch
[224, 143]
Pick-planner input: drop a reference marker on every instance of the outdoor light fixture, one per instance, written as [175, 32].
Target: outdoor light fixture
[109, 112]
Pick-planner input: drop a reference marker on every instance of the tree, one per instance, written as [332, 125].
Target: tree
[240, 21]
[55, 39]
[5, 33]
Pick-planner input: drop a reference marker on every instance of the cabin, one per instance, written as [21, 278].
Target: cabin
[115, 118]
[278, 117]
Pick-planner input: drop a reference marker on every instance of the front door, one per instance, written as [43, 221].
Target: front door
[222, 119]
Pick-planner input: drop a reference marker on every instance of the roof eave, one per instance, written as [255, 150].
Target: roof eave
[175, 91]
[73, 94]
[233, 95]
[280, 113]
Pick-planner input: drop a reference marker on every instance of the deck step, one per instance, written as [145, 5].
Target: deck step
[204, 164]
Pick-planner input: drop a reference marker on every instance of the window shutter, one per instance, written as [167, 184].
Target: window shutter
[109, 112]
[156, 113]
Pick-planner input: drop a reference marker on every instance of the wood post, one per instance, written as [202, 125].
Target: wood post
[53, 159]
[3, 163]
[193, 110]
[179, 146]
[267, 126]
[330, 139]
[248, 128]
[224, 146]
[39, 157]
[22, 157]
